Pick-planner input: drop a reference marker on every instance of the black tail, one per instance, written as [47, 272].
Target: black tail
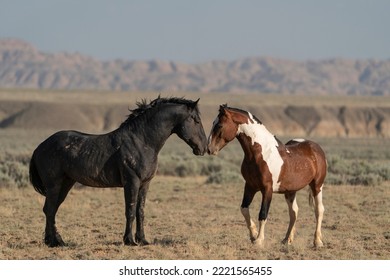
[35, 179]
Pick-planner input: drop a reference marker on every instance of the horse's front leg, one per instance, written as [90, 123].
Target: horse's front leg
[265, 204]
[140, 234]
[249, 193]
[131, 189]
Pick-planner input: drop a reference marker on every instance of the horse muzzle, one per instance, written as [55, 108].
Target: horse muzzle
[199, 151]
[212, 150]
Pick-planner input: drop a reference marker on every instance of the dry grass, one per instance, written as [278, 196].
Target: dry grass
[186, 219]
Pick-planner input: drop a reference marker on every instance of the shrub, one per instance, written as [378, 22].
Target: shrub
[13, 173]
[211, 168]
[335, 179]
[356, 172]
[369, 179]
[224, 177]
[384, 172]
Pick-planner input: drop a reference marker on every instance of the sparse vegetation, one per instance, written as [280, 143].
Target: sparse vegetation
[357, 171]
[352, 164]
[14, 171]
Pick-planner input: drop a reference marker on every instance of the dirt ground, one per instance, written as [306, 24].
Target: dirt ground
[187, 219]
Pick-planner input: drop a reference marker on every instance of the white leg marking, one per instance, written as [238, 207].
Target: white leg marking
[319, 210]
[260, 238]
[250, 224]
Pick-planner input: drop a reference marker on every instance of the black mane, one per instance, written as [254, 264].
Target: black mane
[144, 106]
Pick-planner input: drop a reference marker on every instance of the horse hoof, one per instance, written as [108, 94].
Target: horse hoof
[258, 243]
[129, 242]
[287, 241]
[143, 242]
[54, 242]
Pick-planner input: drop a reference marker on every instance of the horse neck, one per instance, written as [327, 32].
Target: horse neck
[249, 134]
[153, 129]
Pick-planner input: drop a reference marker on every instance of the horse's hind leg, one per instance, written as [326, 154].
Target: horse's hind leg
[56, 194]
[319, 212]
[293, 211]
[52, 239]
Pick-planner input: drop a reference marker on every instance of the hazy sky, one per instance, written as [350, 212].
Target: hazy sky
[202, 30]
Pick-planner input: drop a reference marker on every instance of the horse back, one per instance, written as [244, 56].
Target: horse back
[65, 143]
[305, 150]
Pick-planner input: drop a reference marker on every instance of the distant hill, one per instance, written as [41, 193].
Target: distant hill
[24, 66]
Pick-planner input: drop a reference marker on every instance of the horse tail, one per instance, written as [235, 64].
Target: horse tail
[35, 179]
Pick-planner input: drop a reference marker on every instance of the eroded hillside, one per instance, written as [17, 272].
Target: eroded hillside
[97, 112]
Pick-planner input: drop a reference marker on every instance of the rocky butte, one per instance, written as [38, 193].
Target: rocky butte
[24, 66]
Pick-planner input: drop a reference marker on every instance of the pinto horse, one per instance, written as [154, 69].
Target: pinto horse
[270, 167]
[125, 157]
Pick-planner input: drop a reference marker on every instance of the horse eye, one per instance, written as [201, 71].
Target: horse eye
[218, 129]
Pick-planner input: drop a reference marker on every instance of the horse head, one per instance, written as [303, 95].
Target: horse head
[191, 131]
[224, 129]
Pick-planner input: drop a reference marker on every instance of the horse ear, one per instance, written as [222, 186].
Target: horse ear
[222, 108]
[194, 104]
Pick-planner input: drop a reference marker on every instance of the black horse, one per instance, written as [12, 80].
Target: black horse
[125, 157]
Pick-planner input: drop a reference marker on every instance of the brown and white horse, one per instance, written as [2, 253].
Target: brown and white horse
[270, 167]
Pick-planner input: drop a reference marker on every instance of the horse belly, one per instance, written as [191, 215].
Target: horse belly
[100, 180]
[92, 172]
[95, 179]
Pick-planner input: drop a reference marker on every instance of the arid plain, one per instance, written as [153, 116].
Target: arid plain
[192, 209]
